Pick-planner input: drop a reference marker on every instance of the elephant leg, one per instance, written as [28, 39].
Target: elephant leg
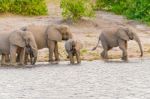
[3, 59]
[123, 47]
[18, 58]
[13, 50]
[78, 57]
[7, 58]
[126, 44]
[22, 56]
[51, 46]
[56, 52]
[104, 53]
[71, 58]
[18, 55]
[26, 59]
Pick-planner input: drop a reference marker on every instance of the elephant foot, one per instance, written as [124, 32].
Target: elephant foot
[25, 63]
[57, 59]
[32, 63]
[53, 62]
[12, 64]
[125, 58]
[72, 63]
[106, 60]
[102, 55]
[21, 64]
[78, 62]
[4, 64]
[56, 62]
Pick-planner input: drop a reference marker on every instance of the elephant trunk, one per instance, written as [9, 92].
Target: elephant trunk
[136, 38]
[34, 51]
[34, 59]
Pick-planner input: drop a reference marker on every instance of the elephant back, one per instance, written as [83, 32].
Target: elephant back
[39, 34]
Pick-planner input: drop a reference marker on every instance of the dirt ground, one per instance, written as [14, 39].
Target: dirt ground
[87, 31]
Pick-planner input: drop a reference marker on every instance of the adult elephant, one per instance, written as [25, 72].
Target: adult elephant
[48, 36]
[11, 42]
[117, 37]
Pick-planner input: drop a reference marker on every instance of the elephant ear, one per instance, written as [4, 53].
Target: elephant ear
[122, 34]
[68, 45]
[16, 38]
[53, 33]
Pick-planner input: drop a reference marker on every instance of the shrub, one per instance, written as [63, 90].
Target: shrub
[75, 9]
[24, 7]
[132, 9]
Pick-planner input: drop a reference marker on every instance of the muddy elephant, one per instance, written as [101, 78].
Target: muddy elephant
[48, 36]
[11, 42]
[117, 37]
[73, 49]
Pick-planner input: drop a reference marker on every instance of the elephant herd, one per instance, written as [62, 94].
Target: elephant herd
[17, 46]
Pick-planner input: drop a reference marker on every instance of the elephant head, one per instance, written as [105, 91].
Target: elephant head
[73, 45]
[24, 39]
[127, 34]
[58, 32]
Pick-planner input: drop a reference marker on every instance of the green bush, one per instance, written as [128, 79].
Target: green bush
[75, 9]
[132, 9]
[24, 7]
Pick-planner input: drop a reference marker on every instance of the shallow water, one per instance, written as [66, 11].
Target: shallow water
[89, 80]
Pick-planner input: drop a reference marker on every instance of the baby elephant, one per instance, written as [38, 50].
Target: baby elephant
[73, 49]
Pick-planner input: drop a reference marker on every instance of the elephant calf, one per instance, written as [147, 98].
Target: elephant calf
[73, 49]
[117, 37]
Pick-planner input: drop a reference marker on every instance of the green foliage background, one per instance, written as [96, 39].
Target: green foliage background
[75, 9]
[132, 9]
[24, 7]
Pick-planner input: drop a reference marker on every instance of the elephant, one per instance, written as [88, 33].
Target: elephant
[73, 49]
[48, 36]
[13, 41]
[117, 37]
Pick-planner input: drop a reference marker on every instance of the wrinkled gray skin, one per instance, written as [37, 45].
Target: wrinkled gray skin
[117, 37]
[29, 51]
[29, 56]
[48, 36]
[73, 49]
[11, 42]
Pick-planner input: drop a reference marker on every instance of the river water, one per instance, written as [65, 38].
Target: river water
[89, 80]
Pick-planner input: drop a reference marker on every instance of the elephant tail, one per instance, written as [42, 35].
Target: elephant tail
[96, 45]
